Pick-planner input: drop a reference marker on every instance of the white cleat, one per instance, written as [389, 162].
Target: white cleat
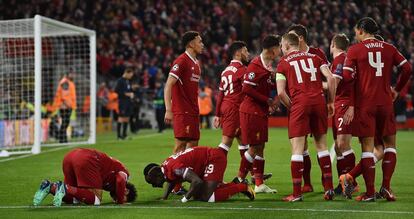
[264, 189]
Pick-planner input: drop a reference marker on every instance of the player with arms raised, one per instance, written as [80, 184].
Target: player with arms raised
[370, 64]
[301, 73]
[302, 33]
[181, 93]
[254, 111]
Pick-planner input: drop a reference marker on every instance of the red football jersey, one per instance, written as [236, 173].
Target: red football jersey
[371, 63]
[260, 78]
[344, 91]
[304, 77]
[194, 158]
[109, 168]
[319, 52]
[185, 92]
[231, 84]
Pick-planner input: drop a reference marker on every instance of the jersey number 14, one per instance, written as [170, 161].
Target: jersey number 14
[311, 69]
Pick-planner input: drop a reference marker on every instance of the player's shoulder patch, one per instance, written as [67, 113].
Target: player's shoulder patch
[175, 67]
[251, 75]
[338, 70]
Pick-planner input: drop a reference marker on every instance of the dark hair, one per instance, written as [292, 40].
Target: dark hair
[132, 193]
[148, 167]
[368, 25]
[234, 47]
[341, 41]
[291, 38]
[270, 41]
[188, 37]
[128, 70]
[300, 30]
[379, 37]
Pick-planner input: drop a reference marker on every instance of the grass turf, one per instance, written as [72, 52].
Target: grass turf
[20, 179]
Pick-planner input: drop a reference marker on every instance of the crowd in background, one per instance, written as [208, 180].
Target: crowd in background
[145, 34]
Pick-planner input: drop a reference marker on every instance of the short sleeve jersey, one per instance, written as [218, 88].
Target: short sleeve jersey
[304, 77]
[193, 158]
[231, 84]
[370, 63]
[344, 91]
[259, 76]
[185, 92]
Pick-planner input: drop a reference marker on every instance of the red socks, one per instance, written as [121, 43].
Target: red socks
[246, 164]
[258, 170]
[388, 166]
[307, 165]
[368, 171]
[325, 165]
[82, 195]
[345, 163]
[225, 191]
[296, 169]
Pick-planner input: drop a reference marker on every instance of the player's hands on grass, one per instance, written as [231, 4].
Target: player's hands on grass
[394, 94]
[168, 117]
[349, 115]
[331, 109]
[217, 122]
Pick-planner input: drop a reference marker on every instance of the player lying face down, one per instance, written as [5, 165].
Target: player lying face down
[204, 168]
[87, 174]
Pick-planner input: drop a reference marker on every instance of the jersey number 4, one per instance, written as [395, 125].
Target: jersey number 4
[227, 83]
[311, 69]
[378, 65]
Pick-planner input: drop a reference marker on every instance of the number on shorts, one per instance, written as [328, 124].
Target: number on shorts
[311, 69]
[227, 82]
[378, 65]
[340, 120]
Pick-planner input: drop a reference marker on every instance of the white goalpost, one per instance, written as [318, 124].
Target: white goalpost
[47, 85]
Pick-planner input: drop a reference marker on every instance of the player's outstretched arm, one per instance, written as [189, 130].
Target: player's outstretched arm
[281, 90]
[196, 184]
[121, 180]
[331, 88]
[168, 189]
[167, 98]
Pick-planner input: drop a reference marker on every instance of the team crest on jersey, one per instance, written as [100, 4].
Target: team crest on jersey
[251, 75]
[175, 67]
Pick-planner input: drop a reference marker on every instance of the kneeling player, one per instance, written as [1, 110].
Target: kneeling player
[87, 173]
[204, 168]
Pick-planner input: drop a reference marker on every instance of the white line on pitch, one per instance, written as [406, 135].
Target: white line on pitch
[209, 208]
[70, 146]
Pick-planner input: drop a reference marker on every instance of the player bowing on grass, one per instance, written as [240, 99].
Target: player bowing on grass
[369, 64]
[254, 111]
[344, 110]
[87, 174]
[204, 168]
[301, 73]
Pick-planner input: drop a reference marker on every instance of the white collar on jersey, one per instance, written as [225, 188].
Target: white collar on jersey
[369, 38]
[234, 60]
[269, 68]
[188, 54]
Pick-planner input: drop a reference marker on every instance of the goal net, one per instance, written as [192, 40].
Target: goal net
[47, 85]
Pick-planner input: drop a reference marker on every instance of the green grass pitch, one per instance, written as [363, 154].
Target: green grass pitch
[20, 179]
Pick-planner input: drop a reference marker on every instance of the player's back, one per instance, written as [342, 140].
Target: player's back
[231, 83]
[304, 77]
[194, 158]
[319, 52]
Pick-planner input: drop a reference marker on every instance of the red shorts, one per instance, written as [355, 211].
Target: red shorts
[304, 120]
[186, 126]
[230, 121]
[216, 165]
[254, 129]
[374, 121]
[82, 169]
[338, 126]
